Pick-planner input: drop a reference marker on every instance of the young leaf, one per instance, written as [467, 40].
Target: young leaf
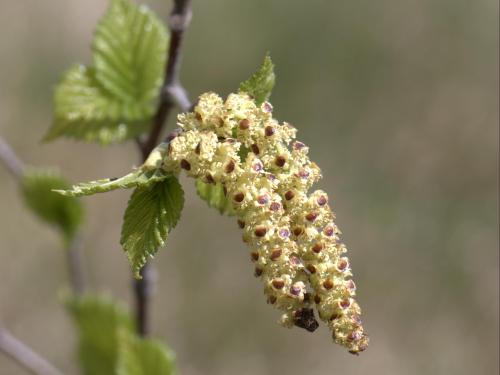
[143, 357]
[261, 83]
[114, 100]
[99, 321]
[84, 110]
[214, 195]
[151, 213]
[64, 212]
[137, 178]
[129, 50]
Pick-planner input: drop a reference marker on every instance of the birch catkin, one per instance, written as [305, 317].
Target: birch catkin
[293, 240]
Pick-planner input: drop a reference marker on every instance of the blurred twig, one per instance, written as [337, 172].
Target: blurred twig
[172, 93]
[24, 355]
[11, 161]
[75, 260]
[76, 269]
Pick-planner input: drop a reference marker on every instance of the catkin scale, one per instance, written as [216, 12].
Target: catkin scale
[291, 234]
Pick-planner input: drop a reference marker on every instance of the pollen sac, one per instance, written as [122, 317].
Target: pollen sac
[291, 234]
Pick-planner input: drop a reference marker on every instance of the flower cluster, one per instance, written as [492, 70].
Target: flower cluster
[291, 234]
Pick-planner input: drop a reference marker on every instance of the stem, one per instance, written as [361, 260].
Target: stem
[11, 161]
[171, 93]
[75, 265]
[25, 356]
[74, 254]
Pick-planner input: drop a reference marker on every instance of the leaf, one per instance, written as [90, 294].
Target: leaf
[129, 50]
[114, 100]
[214, 195]
[99, 322]
[144, 357]
[64, 212]
[151, 213]
[84, 110]
[137, 178]
[261, 83]
[149, 173]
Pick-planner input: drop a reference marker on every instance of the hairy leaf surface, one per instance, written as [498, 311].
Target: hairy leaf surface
[99, 322]
[151, 213]
[64, 212]
[214, 195]
[139, 356]
[261, 83]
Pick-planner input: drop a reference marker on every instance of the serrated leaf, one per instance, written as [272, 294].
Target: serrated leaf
[129, 50]
[99, 321]
[151, 213]
[137, 178]
[114, 100]
[144, 357]
[64, 212]
[214, 195]
[84, 110]
[261, 83]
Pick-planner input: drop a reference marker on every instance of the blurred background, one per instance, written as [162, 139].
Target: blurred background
[399, 103]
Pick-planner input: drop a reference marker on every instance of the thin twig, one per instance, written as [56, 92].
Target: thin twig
[11, 161]
[171, 93]
[24, 355]
[76, 269]
[75, 259]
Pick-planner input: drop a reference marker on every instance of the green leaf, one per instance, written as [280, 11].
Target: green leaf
[151, 213]
[144, 357]
[214, 195]
[149, 173]
[64, 212]
[84, 110]
[129, 49]
[261, 83]
[137, 178]
[99, 322]
[115, 99]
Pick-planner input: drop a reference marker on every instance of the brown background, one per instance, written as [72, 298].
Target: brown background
[398, 101]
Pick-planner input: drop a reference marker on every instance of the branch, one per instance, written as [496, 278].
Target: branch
[25, 356]
[11, 161]
[75, 265]
[172, 92]
[76, 273]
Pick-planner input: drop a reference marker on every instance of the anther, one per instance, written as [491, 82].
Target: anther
[317, 247]
[229, 167]
[276, 253]
[238, 197]
[244, 124]
[280, 161]
[278, 283]
[328, 284]
[185, 165]
[260, 231]
[269, 131]
[311, 216]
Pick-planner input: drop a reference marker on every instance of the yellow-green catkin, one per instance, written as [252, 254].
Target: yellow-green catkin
[293, 240]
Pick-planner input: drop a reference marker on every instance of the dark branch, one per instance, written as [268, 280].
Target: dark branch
[25, 356]
[172, 93]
